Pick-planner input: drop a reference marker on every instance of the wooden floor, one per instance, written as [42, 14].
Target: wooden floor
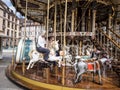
[38, 74]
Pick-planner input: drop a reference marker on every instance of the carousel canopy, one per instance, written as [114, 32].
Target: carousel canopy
[37, 9]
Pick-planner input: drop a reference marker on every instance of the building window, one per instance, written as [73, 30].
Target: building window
[15, 27]
[11, 33]
[8, 23]
[8, 17]
[4, 22]
[28, 33]
[11, 43]
[19, 34]
[8, 32]
[4, 14]
[13, 19]
[16, 21]
[3, 29]
[38, 33]
[22, 33]
[12, 25]
[15, 43]
[15, 34]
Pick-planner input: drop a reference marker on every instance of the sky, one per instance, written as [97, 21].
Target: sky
[9, 4]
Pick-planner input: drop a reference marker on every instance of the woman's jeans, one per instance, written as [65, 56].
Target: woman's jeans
[44, 51]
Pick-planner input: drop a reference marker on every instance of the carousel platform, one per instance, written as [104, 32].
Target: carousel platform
[46, 79]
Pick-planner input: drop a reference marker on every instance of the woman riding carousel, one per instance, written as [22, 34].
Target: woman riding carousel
[41, 46]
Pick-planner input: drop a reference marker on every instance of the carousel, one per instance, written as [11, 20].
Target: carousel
[87, 53]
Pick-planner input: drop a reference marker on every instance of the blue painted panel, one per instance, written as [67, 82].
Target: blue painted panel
[26, 50]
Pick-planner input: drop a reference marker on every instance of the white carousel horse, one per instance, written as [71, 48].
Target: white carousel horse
[36, 56]
[53, 47]
[67, 56]
[82, 67]
[106, 64]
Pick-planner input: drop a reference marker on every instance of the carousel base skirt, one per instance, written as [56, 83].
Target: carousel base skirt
[31, 83]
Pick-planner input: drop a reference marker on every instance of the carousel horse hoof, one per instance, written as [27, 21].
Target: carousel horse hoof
[75, 82]
[100, 83]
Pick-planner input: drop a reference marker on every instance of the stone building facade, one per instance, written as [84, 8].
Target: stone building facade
[32, 29]
[9, 27]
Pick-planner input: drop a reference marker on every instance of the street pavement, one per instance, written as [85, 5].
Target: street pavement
[5, 83]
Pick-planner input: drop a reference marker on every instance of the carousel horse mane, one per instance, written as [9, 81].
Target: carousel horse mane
[53, 45]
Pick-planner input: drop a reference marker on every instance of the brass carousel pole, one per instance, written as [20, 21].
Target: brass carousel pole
[61, 24]
[76, 15]
[25, 18]
[56, 68]
[72, 27]
[48, 4]
[109, 26]
[80, 48]
[55, 20]
[23, 63]
[72, 21]
[101, 40]
[104, 41]
[89, 20]
[47, 69]
[93, 22]
[13, 60]
[63, 72]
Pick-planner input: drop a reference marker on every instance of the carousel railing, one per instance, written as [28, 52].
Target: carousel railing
[109, 41]
[115, 36]
[114, 33]
[110, 38]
